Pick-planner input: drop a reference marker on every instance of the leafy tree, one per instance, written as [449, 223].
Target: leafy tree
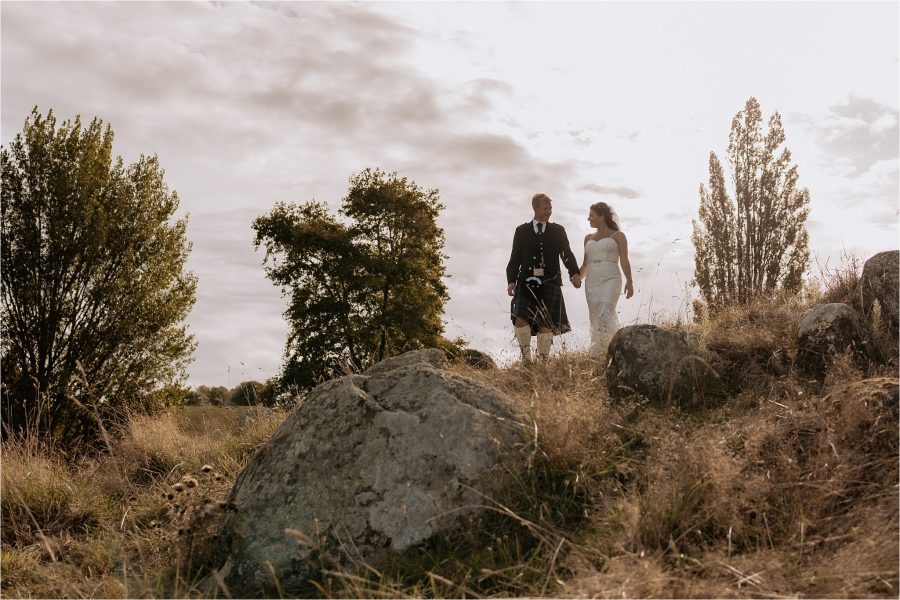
[755, 241]
[362, 288]
[206, 395]
[94, 288]
[195, 398]
[266, 392]
[244, 394]
[170, 394]
[252, 393]
[217, 395]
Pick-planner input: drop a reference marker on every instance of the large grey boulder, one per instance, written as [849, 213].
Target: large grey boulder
[660, 364]
[879, 282]
[828, 330]
[429, 356]
[367, 466]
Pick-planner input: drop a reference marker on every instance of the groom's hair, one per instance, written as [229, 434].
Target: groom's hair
[538, 199]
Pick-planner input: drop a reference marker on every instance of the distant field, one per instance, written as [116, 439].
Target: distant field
[204, 418]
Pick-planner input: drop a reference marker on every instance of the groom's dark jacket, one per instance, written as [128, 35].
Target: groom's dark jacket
[526, 253]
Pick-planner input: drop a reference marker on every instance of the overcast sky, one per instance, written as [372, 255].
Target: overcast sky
[248, 104]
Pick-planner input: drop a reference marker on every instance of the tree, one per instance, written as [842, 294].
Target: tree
[756, 241]
[206, 395]
[94, 290]
[362, 288]
[245, 393]
[195, 398]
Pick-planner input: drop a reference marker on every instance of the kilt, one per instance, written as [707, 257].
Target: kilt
[544, 307]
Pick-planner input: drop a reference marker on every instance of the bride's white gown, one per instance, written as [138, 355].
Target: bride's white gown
[603, 286]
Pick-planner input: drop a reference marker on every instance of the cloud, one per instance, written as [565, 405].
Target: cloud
[583, 136]
[330, 70]
[247, 104]
[885, 220]
[875, 195]
[635, 220]
[685, 214]
[481, 94]
[493, 155]
[622, 192]
[857, 134]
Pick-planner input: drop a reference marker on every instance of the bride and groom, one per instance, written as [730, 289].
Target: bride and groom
[535, 281]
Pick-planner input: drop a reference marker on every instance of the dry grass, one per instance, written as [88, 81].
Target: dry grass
[173, 443]
[756, 342]
[788, 489]
[840, 283]
[125, 524]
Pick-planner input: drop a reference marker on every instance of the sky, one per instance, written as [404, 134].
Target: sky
[249, 104]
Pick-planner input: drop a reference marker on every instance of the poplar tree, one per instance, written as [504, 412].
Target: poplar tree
[754, 240]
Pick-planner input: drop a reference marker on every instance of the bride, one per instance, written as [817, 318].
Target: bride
[604, 250]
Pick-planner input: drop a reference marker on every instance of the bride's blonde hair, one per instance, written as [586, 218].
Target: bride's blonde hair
[602, 209]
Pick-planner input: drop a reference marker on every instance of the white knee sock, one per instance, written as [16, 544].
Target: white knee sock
[544, 341]
[523, 335]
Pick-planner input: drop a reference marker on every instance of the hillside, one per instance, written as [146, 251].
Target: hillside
[787, 488]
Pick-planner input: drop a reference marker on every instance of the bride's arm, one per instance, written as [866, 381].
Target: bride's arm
[583, 270]
[626, 265]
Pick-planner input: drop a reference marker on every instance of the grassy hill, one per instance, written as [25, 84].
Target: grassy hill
[788, 488]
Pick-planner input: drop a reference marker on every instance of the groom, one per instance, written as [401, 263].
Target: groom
[535, 282]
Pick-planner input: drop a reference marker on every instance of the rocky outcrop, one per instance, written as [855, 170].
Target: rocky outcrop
[367, 466]
[828, 330]
[660, 364]
[477, 359]
[430, 356]
[879, 282]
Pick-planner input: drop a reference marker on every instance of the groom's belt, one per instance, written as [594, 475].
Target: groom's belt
[536, 281]
[536, 271]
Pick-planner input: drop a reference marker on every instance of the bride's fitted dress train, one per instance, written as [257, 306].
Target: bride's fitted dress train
[603, 286]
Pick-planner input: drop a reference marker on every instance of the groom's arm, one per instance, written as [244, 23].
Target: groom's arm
[512, 267]
[568, 257]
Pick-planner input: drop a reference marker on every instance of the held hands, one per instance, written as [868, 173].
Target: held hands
[574, 279]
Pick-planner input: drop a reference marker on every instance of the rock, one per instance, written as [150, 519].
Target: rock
[879, 281]
[477, 359]
[430, 356]
[828, 330]
[367, 466]
[661, 365]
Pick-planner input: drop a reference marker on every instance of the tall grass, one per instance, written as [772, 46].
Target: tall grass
[787, 489]
[124, 523]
